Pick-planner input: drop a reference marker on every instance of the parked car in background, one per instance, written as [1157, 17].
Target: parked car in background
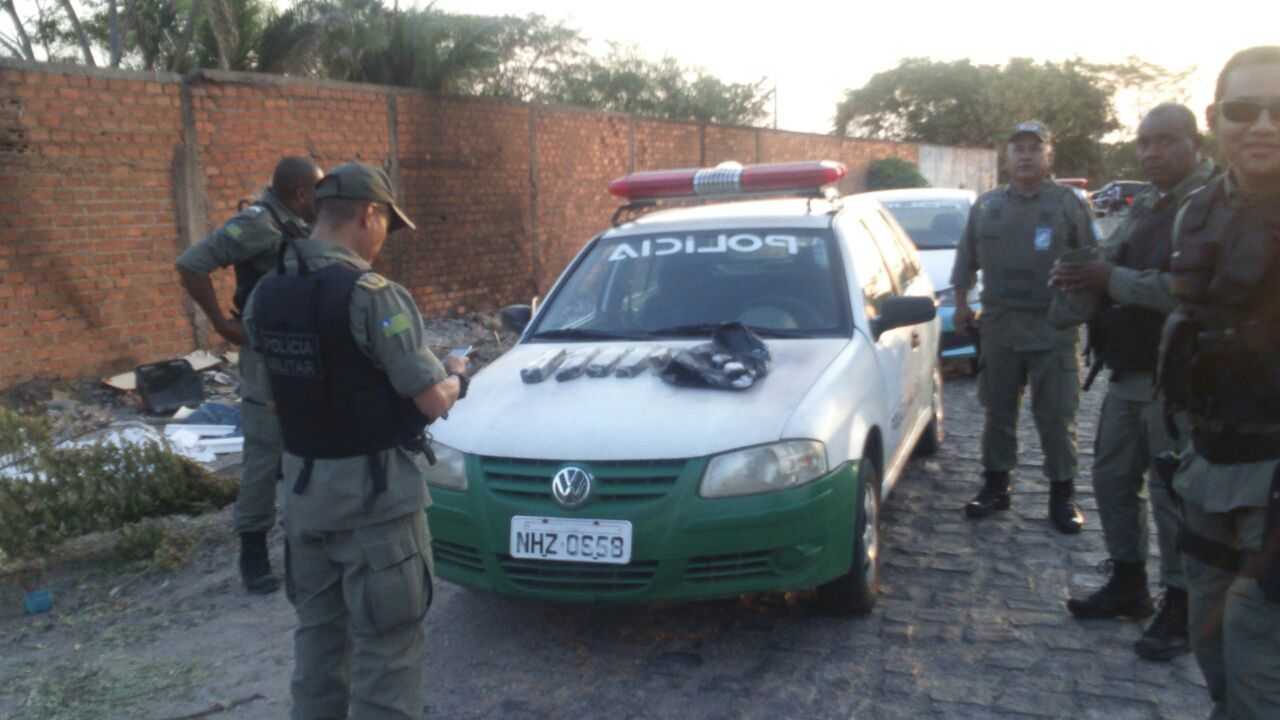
[934, 219]
[1115, 197]
[579, 474]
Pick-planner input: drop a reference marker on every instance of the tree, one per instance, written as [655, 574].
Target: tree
[891, 173]
[625, 81]
[960, 103]
[23, 49]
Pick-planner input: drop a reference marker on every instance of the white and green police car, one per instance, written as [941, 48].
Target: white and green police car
[573, 472]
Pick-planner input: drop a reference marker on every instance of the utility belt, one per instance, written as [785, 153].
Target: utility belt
[419, 445]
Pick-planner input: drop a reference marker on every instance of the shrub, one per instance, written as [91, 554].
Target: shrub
[893, 173]
[59, 493]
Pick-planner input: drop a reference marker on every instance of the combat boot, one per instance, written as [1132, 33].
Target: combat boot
[255, 565]
[993, 496]
[1166, 637]
[1125, 594]
[1062, 507]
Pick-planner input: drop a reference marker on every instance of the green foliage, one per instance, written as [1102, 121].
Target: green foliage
[625, 81]
[960, 103]
[891, 173]
[116, 687]
[151, 545]
[73, 491]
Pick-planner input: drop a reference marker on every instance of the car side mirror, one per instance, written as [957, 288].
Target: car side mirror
[896, 312]
[516, 317]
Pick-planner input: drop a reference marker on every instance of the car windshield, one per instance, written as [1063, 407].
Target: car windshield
[778, 282]
[932, 224]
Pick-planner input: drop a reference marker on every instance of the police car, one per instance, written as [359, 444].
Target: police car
[576, 473]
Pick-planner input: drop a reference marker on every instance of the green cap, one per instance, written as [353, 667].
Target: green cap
[357, 181]
[1032, 127]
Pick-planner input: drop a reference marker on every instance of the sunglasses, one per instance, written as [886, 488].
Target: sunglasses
[1247, 111]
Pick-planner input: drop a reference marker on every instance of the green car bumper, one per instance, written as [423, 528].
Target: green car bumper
[683, 547]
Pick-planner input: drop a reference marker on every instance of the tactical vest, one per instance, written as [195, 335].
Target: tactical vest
[331, 400]
[1126, 338]
[1220, 351]
[247, 276]
[1015, 270]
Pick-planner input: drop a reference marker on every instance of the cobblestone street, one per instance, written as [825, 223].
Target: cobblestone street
[971, 624]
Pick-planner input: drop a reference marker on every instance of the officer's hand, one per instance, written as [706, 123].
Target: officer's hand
[1086, 277]
[963, 317]
[456, 363]
[233, 332]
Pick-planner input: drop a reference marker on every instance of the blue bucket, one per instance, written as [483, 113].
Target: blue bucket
[38, 601]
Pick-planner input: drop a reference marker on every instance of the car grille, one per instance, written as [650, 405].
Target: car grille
[459, 556]
[719, 568]
[550, 575]
[614, 482]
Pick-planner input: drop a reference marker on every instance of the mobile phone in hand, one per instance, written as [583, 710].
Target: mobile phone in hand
[461, 351]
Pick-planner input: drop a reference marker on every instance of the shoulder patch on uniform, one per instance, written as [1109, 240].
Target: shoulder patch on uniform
[372, 281]
[395, 325]
[233, 230]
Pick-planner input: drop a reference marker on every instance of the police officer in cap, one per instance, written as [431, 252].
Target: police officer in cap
[354, 386]
[250, 242]
[1014, 235]
[1220, 364]
[1125, 338]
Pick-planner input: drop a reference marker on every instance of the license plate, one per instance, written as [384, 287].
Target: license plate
[571, 539]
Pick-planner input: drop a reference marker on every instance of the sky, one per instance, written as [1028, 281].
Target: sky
[815, 50]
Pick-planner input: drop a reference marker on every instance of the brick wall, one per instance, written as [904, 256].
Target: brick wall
[105, 176]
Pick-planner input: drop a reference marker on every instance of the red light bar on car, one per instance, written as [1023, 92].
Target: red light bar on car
[729, 179]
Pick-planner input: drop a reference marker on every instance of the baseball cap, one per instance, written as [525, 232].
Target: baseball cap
[357, 181]
[1032, 127]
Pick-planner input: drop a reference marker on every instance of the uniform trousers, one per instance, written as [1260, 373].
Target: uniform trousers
[361, 596]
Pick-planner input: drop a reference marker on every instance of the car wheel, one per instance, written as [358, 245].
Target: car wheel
[931, 439]
[855, 592]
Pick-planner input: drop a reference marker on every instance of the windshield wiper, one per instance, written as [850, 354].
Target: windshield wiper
[585, 334]
[777, 332]
[690, 330]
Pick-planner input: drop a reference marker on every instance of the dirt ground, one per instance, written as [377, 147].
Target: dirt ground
[129, 634]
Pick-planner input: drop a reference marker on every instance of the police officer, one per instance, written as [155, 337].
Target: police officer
[250, 241]
[354, 386]
[1014, 235]
[1125, 338]
[1220, 364]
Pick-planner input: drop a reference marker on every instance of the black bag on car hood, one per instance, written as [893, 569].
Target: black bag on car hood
[735, 359]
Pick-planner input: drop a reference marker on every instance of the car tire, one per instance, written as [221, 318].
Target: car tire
[931, 439]
[855, 592]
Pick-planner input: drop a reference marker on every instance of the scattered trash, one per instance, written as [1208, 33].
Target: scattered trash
[198, 360]
[37, 601]
[168, 385]
[212, 413]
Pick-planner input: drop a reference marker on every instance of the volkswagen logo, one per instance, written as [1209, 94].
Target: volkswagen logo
[570, 487]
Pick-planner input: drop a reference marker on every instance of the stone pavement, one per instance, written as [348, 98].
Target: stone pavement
[971, 624]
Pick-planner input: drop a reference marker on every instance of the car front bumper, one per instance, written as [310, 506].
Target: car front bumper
[683, 547]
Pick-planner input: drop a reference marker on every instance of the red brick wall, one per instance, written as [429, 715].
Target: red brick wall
[105, 176]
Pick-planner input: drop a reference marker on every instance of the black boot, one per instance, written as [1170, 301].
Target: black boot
[1124, 595]
[1062, 507]
[1166, 637]
[255, 565]
[993, 496]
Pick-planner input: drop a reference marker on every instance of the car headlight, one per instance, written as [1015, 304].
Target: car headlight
[763, 469]
[450, 470]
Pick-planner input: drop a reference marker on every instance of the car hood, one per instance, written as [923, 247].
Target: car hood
[637, 418]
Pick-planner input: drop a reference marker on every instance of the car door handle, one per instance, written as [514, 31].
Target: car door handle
[915, 339]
